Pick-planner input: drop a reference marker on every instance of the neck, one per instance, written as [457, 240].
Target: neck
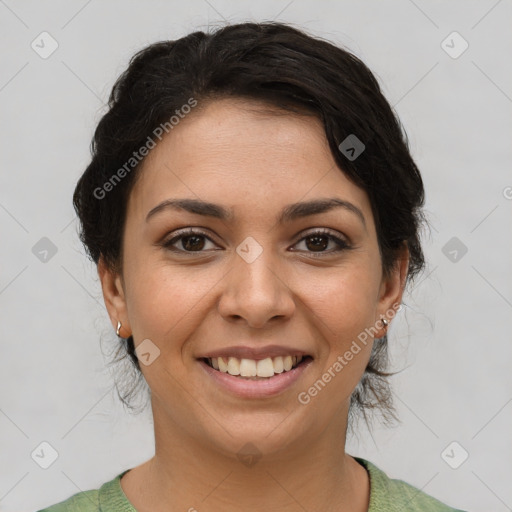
[184, 474]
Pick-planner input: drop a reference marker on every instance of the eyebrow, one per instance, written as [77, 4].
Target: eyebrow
[289, 213]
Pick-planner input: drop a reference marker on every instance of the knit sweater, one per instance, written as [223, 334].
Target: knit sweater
[386, 495]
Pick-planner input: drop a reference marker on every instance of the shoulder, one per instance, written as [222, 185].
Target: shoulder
[108, 498]
[86, 501]
[389, 495]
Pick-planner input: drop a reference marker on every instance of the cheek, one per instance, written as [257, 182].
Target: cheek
[344, 301]
[165, 302]
[344, 305]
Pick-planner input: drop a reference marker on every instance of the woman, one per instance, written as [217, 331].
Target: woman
[254, 213]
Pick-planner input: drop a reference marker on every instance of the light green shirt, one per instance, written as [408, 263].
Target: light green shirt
[386, 495]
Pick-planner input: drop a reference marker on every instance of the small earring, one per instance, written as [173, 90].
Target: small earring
[385, 322]
[118, 327]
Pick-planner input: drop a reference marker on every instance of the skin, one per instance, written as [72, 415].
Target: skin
[254, 161]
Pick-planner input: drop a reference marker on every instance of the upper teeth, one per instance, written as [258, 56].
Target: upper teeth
[252, 368]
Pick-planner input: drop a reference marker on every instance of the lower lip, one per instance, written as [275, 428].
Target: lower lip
[246, 388]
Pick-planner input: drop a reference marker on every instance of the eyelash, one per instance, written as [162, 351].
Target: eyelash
[342, 245]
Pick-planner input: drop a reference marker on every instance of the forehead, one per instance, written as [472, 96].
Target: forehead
[243, 153]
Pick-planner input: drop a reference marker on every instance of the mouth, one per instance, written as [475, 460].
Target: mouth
[256, 369]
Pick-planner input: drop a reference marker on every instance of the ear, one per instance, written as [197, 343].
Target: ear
[391, 290]
[114, 297]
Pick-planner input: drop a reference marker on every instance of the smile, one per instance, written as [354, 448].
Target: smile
[252, 368]
[256, 378]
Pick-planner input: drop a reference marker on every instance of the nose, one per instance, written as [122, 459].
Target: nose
[256, 292]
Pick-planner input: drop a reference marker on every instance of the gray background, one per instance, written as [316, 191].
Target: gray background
[454, 338]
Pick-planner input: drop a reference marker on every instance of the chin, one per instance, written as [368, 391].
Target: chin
[258, 435]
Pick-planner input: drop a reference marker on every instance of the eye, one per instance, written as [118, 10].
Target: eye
[196, 241]
[317, 241]
[190, 241]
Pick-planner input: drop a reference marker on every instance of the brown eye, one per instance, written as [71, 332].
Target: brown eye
[192, 242]
[319, 241]
[189, 241]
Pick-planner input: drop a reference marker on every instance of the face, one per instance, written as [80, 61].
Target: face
[257, 276]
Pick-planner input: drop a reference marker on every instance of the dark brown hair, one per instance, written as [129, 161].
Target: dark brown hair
[285, 68]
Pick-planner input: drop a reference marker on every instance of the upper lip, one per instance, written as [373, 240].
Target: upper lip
[257, 353]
